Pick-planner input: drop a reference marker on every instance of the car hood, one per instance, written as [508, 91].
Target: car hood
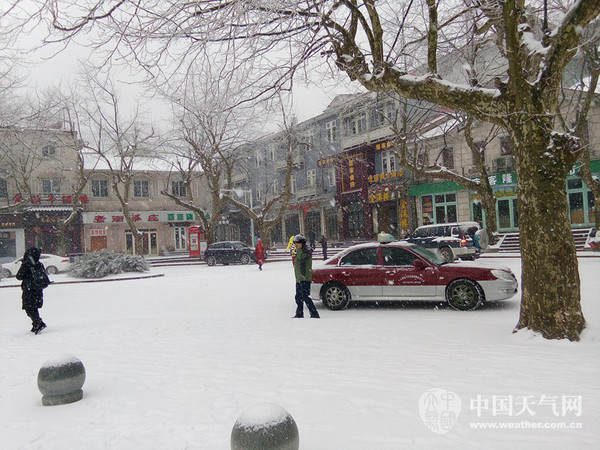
[474, 265]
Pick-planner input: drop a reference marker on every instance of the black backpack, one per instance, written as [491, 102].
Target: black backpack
[39, 279]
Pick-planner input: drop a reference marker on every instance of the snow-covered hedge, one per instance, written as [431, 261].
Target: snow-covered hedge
[103, 263]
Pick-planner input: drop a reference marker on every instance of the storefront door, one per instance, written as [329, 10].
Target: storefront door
[508, 217]
[180, 238]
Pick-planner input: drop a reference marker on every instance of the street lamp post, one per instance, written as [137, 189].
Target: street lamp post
[239, 193]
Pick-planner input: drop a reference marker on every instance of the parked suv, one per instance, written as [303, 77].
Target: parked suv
[227, 252]
[462, 240]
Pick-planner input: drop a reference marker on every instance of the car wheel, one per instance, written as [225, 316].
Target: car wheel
[244, 259]
[335, 296]
[464, 295]
[447, 254]
[51, 270]
[6, 273]
[211, 261]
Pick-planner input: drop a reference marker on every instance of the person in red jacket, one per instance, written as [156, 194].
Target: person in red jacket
[259, 253]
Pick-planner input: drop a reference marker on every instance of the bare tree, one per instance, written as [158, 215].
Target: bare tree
[210, 127]
[366, 40]
[275, 203]
[119, 141]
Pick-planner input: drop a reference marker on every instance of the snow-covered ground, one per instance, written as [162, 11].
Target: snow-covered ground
[173, 361]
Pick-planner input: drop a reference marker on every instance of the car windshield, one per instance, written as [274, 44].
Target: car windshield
[429, 255]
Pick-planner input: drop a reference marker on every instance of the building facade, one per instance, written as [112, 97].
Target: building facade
[39, 183]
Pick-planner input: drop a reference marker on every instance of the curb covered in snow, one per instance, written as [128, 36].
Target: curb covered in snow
[96, 280]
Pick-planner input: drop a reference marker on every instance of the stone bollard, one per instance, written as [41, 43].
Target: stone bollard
[60, 380]
[265, 426]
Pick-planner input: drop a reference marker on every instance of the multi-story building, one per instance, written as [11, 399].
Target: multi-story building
[312, 207]
[163, 224]
[41, 170]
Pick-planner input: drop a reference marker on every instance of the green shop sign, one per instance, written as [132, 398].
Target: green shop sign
[180, 216]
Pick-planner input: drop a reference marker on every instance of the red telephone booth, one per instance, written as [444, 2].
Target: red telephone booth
[197, 241]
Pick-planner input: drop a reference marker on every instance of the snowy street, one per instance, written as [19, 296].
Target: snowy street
[173, 361]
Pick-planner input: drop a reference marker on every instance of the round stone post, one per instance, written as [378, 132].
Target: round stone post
[60, 380]
[265, 426]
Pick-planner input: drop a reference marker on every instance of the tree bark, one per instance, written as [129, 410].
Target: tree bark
[550, 301]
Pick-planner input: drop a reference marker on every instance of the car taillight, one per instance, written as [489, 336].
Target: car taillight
[463, 242]
[65, 260]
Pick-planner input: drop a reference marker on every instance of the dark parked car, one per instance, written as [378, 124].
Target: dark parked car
[462, 240]
[402, 271]
[227, 252]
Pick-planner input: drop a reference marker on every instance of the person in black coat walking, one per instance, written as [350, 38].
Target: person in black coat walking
[34, 280]
[323, 242]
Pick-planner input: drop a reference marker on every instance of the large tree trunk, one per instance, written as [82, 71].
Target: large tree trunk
[550, 301]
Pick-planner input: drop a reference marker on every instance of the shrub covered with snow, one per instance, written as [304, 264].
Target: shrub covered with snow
[103, 263]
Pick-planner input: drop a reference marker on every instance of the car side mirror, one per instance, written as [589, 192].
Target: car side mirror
[419, 264]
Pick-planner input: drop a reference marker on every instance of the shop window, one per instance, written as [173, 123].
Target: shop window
[149, 242]
[440, 208]
[141, 188]
[591, 206]
[576, 207]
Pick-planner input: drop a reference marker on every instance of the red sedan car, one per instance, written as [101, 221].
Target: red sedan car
[404, 271]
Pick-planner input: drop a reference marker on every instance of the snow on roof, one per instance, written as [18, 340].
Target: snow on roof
[140, 163]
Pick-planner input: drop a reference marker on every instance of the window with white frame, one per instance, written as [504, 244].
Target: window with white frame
[275, 187]
[331, 131]
[248, 197]
[49, 151]
[258, 158]
[178, 188]
[331, 175]
[259, 192]
[293, 184]
[51, 186]
[141, 188]
[273, 153]
[311, 177]
[99, 188]
[356, 124]
[180, 238]
[388, 161]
